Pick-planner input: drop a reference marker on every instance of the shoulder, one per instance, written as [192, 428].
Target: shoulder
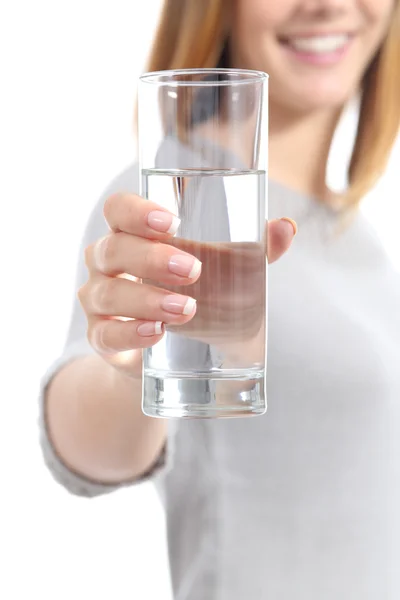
[127, 181]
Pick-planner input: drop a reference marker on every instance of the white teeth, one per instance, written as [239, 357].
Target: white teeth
[319, 45]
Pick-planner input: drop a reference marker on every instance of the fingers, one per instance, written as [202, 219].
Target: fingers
[135, 215]
[131, 214]
[123, 253]
[125, 315]
[110, 336]
[280, 236]
[118, 297]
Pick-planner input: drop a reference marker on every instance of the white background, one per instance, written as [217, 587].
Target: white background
[68, 79]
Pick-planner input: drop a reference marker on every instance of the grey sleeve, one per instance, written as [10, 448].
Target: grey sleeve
[77, 345]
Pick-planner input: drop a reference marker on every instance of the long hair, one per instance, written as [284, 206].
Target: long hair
[194, 33]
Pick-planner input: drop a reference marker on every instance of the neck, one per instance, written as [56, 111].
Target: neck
[299, 147]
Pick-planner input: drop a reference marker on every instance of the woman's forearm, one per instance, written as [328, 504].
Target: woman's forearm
[96, 424]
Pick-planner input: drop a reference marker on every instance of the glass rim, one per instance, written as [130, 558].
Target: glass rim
[249, 77]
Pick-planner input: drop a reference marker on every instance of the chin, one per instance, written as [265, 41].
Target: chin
[312, 97]
[304, 83]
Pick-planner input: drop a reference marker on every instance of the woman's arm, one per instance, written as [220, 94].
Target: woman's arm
[96, 425]
[94, 434]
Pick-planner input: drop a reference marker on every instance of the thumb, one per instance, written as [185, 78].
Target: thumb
[280, 236]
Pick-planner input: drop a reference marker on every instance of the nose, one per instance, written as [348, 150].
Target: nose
[326, 7]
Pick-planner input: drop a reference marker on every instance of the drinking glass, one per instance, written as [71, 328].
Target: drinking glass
[203, 141]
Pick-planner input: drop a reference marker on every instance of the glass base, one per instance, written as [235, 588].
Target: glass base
[204, 397]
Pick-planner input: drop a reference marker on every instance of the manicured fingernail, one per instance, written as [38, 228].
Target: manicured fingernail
[293, 224]
[150, 328]
[98, 253]
[163, 221]
[179, 305]
[184, 265]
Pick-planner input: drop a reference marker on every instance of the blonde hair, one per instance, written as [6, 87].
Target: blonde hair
[193, 34]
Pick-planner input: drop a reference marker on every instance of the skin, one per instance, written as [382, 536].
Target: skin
[305, 100]
[94, 414]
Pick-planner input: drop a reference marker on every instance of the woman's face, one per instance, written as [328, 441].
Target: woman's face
[315, 51]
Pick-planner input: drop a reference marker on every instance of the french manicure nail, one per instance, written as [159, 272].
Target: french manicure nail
[293, 224]
[179, 305]
[184, 265]
[162, 221]
[150, 328]
[98, 253]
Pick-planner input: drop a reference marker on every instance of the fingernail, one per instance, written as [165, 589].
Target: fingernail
[163, 221]
[179, 305]
[150, 328]
[184, 265]
[293, 224]
[98, 253]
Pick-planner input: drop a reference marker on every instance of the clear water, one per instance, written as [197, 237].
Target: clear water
[215, 364]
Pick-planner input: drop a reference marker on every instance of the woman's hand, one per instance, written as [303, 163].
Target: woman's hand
[125, 315]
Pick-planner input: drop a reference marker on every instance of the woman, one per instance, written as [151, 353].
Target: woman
[301, 503]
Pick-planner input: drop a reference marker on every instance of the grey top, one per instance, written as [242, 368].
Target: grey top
[302, 503]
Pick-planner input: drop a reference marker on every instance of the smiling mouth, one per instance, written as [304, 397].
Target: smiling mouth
[317, 44]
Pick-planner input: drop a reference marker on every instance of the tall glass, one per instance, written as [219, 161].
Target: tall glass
[203, 140]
